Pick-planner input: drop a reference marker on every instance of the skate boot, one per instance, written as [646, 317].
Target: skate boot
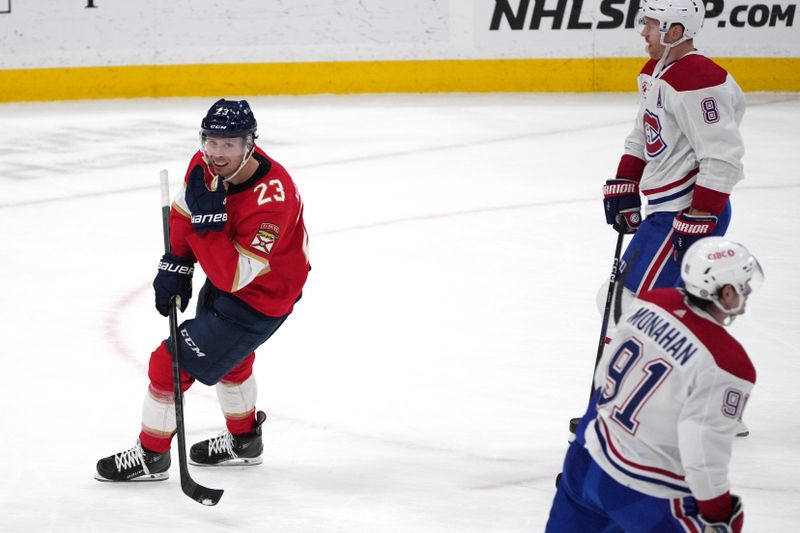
[230, 450]
[135, 464]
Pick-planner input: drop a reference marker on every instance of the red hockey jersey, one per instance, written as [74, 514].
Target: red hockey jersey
[262, 255]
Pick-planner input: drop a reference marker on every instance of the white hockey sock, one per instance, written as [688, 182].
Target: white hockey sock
[237, 400]
[158, 413]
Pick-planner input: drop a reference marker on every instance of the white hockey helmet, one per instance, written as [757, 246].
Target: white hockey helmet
[713, 262]
[688, 13]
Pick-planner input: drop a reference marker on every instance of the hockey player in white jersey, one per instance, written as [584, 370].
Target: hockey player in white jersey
[651, 453]
[683, 155]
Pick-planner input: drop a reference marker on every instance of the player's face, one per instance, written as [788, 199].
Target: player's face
[652, 36]
[225, 154]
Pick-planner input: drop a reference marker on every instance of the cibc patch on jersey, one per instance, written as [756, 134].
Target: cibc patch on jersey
[265, 237]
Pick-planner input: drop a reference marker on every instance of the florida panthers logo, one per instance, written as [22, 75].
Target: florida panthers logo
[652, 134]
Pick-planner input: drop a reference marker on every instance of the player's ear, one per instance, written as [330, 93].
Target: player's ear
[727, 296]
[677, 31]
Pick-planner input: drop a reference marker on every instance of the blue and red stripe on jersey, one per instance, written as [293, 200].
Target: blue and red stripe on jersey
[649, 474]
[671, 191]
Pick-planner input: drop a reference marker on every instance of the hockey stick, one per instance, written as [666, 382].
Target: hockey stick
[612, 282]
[196, 492]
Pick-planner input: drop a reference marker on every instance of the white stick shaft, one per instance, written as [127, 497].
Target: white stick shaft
[164, 189]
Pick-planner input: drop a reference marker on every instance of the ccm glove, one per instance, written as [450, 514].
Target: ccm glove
[207, 206]
[732, 525]
[688, 229]
[622, 205]
[174, 279]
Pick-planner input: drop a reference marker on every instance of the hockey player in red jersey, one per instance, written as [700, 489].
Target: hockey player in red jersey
[651, 454]
[240, 217]
[683, 155]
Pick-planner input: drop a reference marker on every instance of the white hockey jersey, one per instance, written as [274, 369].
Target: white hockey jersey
[673, 385]
[685, 145]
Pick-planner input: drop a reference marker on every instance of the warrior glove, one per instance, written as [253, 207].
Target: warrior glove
[207, 206]
[174, 280]
[688, 229]
[622, 205]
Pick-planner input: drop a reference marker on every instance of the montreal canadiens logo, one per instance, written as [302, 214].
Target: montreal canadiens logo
[652, 134]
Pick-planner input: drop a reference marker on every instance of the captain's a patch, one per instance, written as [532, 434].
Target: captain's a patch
[265, 237]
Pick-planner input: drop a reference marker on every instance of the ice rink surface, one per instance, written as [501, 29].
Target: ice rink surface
[446, 336]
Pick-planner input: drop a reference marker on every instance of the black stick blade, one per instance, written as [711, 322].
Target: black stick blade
[199, 493]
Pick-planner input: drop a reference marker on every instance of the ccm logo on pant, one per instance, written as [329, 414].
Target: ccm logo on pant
[191, 344]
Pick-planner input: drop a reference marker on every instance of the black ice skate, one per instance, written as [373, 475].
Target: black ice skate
[230, 450]
[135, 464]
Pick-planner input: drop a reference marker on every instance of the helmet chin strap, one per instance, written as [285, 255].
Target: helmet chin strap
[245, 159]
[662, 62]
[733, 312]
[667, 47]
[728, 315]
[210, 164]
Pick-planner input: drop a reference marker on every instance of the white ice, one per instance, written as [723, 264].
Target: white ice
[446, 336]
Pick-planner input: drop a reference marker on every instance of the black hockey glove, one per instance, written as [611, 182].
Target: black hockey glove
[207, 206]
[622, 205]
[174, 279]
[688, 229]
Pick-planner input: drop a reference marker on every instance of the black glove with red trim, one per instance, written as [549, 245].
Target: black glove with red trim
[688, 229]
[622, 204]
